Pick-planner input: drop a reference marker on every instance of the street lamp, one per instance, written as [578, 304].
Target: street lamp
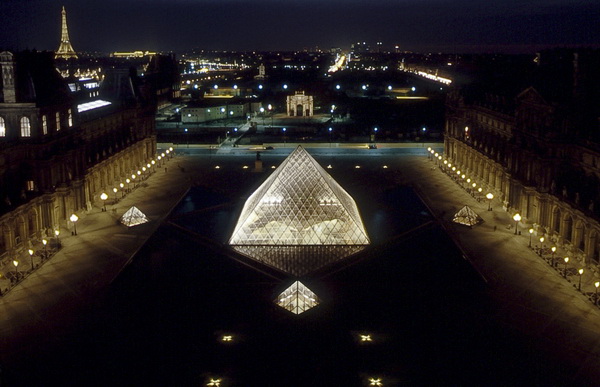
[127, 181]
[580, 271]
[517, 219]
[490, 197]
[16, 263]
[31, 257]
[553, 249]
[542, 239]
[74, 218]
[115, 190]
[103, 197]
[56, 233]
[596, 284]
[566, 263]
[45, 242]
[530, 234]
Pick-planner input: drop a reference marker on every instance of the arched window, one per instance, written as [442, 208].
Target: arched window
[57, 121]
[25, 127]
[2, 127]
[45, 124]
[70, 118]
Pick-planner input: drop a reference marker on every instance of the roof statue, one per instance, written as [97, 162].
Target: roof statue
[297, 298]
[467, 217]
[299, 219]
[65, 50]
[133, 217]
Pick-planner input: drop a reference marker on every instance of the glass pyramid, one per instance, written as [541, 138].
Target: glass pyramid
[299, 219]
[133, 217]
[297, 298]
[466, 216]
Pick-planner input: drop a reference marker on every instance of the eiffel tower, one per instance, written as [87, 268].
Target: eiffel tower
[65, 50]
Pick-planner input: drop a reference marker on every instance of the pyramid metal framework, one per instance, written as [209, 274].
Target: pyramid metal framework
[299, 219]
[467, 217]
[297, 298]
[133, 217]
[65, 50]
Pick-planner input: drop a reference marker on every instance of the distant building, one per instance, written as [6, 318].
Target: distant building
[132, 54]
[62, 143]
[300, 104]
[213, 110]
[261, 73]
[537, 147]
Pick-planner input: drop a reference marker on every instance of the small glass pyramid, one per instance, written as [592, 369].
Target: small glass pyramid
[133, 217]
[299, 219]
[297, 298]
[467, 217]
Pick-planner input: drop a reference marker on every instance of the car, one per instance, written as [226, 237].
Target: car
[372, 146]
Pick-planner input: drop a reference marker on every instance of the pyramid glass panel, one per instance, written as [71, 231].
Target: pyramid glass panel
[466, 216]
[297, 298]
[133, 217]
[299, 219]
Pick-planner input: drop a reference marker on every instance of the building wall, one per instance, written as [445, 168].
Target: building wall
[522, 151]
[70, 172]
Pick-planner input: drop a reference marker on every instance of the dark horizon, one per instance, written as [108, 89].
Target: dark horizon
[269, 25]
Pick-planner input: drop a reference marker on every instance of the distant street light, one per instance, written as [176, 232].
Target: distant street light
[542, 246]
[115, 190]
[103, 197]
[517, 219]
[16, 263]
[45, 242]
[74, 218]
[490, 197]
[553, 249]
[566, 263]
[580, 271]
[596, 284]
[31, 257]
[56, 233]
[530, 234]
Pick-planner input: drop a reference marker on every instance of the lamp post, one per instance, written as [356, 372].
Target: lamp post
[74, 218]
[580, 271]
[330, 130]
[553, 249]
[530, 234]
[127, 181]
[596, 284]
[16, 263]
[103, 197]
[542, 246]
[115, 190]
[284, 130]
[566, 263]
[31, 257]
[490, 197]
[56, 233]
[45, 242]
[517, 219]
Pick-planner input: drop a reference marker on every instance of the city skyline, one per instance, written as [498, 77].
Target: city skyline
[160, 25]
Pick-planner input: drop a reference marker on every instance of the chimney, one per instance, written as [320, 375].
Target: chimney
[7, 64]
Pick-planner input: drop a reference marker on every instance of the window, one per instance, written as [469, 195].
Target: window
[25, 127]
[45, 124]
[70, 118]
[2, 127]
[30, 185]
[57, 121]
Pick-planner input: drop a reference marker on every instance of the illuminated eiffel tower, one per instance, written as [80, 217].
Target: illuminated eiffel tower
[65, 50]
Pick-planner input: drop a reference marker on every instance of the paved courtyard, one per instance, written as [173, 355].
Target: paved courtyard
[535, 297]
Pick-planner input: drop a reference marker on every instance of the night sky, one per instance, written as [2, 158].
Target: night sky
[417, 25]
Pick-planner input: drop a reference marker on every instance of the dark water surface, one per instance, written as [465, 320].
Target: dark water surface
[161, 322]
